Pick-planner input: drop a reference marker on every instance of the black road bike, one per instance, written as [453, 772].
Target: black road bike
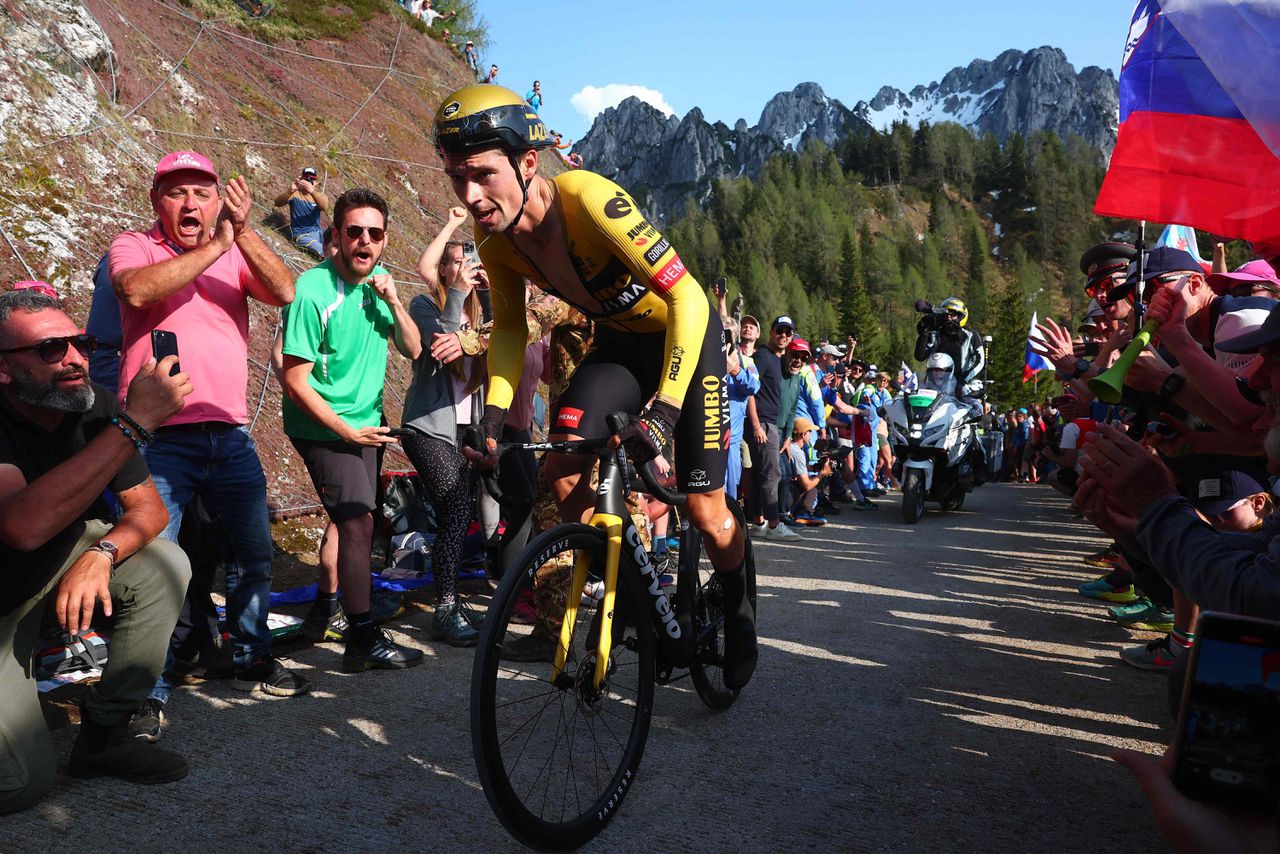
[558, 741]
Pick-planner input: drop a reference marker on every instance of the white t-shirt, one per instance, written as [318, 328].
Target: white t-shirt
[1070, 439]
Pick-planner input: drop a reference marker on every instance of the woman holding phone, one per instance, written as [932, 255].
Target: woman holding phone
[441, 402]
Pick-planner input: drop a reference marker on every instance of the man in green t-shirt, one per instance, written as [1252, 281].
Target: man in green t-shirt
[335, 364]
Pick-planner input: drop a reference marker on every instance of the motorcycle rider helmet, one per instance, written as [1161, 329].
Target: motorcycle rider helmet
[939, 374]
[956, 306]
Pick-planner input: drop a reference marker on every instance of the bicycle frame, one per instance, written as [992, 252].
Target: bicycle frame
[611, 517]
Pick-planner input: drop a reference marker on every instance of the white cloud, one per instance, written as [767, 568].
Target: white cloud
[591, 101]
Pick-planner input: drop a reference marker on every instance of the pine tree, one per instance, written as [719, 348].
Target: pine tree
[975, 292]
[856, 315]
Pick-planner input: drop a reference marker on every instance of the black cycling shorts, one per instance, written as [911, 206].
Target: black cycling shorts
[621, 374]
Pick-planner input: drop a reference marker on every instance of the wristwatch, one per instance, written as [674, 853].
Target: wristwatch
[109, 549]
[1082, 367]
[1171, 386]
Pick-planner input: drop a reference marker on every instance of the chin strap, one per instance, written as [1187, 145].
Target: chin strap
[524, 191]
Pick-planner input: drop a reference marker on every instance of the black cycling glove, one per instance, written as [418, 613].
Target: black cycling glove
[491, 422]
[645, 437]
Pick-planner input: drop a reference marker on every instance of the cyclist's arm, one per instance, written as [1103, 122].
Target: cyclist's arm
[510, 332]
[688, 310]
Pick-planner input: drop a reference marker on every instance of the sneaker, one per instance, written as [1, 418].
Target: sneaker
[809, 520]
[318, 628]
[864, 504]
[1100, 588]
[757, 532]
[109, 751]
[383, 654]
[384, 605]
[673, 542]
[1160, 622]
[1105, 559]
[592, 592]
[1154, 656]
[451, 625]
[270, 677]
[145, 722]
[1138, 608]
[782, 532]
[825, 507]
[532, 647]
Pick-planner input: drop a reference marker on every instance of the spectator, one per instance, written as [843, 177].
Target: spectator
[884, 465]
[534, 96]
[440, 404]
[305, 202]
[472, 56]
[800, 397]
[335, 363]
[574, 159]
[803, 484]
[63, 441]
[742, 382]
[763, 413]
[192, 274]
[492, 76]
[104, 325]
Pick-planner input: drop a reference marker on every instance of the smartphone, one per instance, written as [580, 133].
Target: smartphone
[728, 340]
[469, 251]
[165, 344]
[1227, 743]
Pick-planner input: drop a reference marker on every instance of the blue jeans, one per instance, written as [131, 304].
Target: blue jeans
[222, 466]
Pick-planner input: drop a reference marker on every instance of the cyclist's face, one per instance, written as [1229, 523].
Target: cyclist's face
[488, 186]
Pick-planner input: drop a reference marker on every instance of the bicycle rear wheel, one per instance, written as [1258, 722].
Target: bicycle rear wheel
[556, 760]
[706, 669]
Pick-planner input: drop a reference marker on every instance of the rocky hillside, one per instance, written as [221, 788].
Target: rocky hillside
[93, 93]
[666, 161]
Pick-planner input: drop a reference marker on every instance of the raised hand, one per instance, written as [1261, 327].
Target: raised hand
[384, 286]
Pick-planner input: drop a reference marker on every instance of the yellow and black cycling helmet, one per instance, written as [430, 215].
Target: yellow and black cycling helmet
[956, 305]
[483, 116]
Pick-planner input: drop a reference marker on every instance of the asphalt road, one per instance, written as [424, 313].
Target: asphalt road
[937, 687]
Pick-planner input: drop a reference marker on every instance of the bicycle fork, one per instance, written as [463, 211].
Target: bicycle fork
[612, 527]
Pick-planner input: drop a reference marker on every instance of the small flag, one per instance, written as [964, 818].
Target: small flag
[908, 379]
[1034, 361]
[1183, 237]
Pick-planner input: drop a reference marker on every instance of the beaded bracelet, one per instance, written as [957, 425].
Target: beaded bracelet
[128, 434]
[143, 433]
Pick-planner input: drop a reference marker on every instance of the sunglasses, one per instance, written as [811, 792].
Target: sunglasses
[376, 234]
[784, 331]
[52, 350]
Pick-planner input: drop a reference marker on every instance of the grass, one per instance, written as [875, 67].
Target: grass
[306, 19]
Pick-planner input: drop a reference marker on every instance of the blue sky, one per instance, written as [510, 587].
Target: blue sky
[729, 58]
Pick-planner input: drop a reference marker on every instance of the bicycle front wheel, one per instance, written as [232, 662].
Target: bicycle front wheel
[557, 759]
[706, 670]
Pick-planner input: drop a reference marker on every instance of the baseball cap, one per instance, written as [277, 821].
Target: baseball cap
[1157, 262]
[1254, 271]
[798, 345]
[1219, 492]
[828, 350]
[1252, 342]
[32, 285]
[184, 161]
[783, 320]
[871, 369]
[804, 425]
[309, 170]
[749, 318]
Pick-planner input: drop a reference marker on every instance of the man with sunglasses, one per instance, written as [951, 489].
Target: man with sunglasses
[335, 366]
[192, 273]
[764, 441]
[63, 440]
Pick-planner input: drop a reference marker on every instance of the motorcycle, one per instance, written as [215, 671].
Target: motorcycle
[932, 435]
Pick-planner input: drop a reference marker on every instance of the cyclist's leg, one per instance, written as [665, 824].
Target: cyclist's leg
[701, 450]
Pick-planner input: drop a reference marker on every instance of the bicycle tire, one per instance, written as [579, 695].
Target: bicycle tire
[515, 751]
[706, 667]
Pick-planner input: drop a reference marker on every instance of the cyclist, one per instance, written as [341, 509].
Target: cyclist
[657, 350]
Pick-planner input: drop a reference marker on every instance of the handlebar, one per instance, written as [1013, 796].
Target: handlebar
[616, 421]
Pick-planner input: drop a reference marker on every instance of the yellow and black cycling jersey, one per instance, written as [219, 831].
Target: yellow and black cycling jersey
[628, 278]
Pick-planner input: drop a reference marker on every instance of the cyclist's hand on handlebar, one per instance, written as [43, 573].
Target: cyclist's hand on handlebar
[480, 443]
[644, 437]
[486, 460]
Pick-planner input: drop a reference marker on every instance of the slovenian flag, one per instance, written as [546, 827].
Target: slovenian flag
[1199, 119]
[1034, 361]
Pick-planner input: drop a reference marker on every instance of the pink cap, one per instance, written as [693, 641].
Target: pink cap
[43, 287]
[184, 161]
[1254, 271]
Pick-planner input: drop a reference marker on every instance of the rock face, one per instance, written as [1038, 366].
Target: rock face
[664, 161]
[1014, 93]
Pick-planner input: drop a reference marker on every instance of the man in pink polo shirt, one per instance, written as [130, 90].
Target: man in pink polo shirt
[192, 274]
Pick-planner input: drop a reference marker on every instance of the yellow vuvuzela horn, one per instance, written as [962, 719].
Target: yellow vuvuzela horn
[1107, 385]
